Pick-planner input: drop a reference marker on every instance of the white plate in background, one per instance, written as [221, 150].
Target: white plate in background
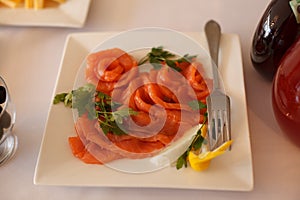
[72, 13]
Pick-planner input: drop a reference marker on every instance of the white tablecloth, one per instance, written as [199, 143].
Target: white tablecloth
[29, 62]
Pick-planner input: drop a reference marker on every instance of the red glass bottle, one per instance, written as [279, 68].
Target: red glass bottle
[286, 93]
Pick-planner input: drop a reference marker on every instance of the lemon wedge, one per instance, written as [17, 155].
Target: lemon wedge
[202, 161]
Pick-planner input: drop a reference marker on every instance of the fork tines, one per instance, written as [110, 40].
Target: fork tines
[218, 106]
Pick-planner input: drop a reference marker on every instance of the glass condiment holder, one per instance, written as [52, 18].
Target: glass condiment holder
[8, 141]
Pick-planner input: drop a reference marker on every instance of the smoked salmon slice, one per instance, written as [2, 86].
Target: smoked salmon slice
[79, 151]
[105, 68]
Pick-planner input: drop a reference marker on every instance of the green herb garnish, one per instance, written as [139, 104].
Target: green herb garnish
[111, 121]
[194, 146]
[66, 98]
[198, 139]
[97, 105]
[196, 105]
[158, 56]
[80, 99]
[83, 100]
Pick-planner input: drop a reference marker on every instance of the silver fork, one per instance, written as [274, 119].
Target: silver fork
[218, 103]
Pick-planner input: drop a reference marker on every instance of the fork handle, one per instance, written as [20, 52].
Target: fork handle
[213, 34]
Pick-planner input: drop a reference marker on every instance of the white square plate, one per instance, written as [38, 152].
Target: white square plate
[72, 13]
[57, 166]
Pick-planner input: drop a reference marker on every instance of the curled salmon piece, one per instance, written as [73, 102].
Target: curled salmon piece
[126, 86]
[105, 68]
[193, 74]
[159, 98]
[142, 100]
[175, 89]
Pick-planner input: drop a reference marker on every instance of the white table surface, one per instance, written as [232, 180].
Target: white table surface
[29, 62]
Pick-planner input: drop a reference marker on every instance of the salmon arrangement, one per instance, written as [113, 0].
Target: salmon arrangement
[134, 109]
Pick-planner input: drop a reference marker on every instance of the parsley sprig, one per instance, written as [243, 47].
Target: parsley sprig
[195, 145]
[158, 56]
[97, 105]
[80, 99]
[111, 114]
[197, 105]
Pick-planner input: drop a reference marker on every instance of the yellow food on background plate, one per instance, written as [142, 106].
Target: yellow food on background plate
[29, 4]
[10, 3]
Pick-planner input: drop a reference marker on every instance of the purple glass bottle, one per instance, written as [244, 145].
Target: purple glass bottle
[275, 33]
